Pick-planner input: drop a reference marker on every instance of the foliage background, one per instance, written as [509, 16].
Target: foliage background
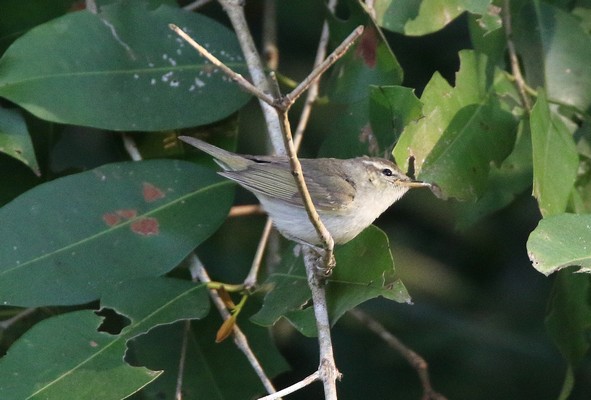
[479, 308]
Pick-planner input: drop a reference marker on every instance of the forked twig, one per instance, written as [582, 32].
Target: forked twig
[198, 272]
[293, 388]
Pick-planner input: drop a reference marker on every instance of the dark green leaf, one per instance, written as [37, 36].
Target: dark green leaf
[65, 357]
[136, 75]
[569, 317]
[15, 140]
[560, 241]
[556, 53]
[66, 241]
[212, 371]
[555, 159]
[365, 270]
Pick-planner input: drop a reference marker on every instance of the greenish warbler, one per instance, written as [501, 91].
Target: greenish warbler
[348, 194]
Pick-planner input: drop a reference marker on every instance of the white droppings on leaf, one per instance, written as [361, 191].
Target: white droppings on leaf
[152, 81]
[179, 51]
[174, 83]
[199, 82]
[172, 62]
[167, 76]
[191, 88]
[164, 56]
[151, 65]
[136, 76]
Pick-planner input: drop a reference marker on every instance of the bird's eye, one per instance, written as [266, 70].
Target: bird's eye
[387, 172]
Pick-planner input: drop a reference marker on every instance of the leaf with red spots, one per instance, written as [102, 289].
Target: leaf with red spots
[60, 249]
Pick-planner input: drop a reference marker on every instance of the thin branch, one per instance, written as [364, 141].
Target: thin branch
[251, 279]
[323, 66]
[516, 70]
[252, 89]
[327, 368]
[7, 323]
[270, 49]
[415, 360]
[314, 87]
[196, 4]
[198, 272]
[293, 388]
[131, 147]
[182, 361]
[235, 11]
[248, 209]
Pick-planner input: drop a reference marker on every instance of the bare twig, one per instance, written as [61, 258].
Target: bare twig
[313, 90]
[131, 147]
[251, 278]
[292, 96]
[182, 361]
[248, 209]
[327, 368]
[235, 11]
[270, 35]
[252, 89]
[199, 272]
[196, 4]
[515, 69]
[415, 360]
[7, 323]
[293, 388]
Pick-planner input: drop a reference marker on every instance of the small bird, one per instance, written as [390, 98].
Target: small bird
[348, 194]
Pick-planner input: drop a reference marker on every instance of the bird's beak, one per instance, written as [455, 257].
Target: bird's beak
[415, 184]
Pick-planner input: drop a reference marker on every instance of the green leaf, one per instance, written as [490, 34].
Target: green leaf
[391, 108]
[569, 317]
[66, 241]
[369, 62]
[212, 370]
[560, 241]
[556, 53]
[505, 182]
[465, 129]
[65, 357]
[136, 75]
[15, 140]
[555, 159]
[427, 16]
[365, 270]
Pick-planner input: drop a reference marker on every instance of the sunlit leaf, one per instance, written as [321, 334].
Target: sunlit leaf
[555, 159]
[66, 241]
[136, 75]
[560, 241]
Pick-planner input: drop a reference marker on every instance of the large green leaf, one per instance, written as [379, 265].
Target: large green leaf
[65, 357]
[465, 129]
[66, 241]
[560, 241]
[365, 270]
[123, 69]
[370, 61]
[555, 159]
[15, 140]
[556, 53]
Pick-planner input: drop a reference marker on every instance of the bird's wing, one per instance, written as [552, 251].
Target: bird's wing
[329, 190]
